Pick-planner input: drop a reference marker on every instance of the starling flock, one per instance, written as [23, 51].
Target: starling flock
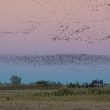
[65, 31]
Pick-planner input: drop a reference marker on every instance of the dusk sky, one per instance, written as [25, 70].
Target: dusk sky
[54, 27]
[50, 27]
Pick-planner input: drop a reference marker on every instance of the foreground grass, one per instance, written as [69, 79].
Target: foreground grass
[45, 105]
[73, 99]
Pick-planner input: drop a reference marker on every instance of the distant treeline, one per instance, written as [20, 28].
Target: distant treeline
[16, 83]
[41, 85]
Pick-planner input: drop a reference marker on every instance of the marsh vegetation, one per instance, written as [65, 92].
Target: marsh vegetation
[49, 95]
[61, 99]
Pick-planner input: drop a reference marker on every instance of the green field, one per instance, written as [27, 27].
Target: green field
[63, 99]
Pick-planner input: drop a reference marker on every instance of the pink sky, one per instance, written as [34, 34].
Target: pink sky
[29, 26]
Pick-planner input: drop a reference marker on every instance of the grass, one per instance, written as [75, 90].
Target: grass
[64, 99]
[45, 105]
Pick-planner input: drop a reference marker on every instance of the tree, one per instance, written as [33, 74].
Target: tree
[42, 82]
[15, 80]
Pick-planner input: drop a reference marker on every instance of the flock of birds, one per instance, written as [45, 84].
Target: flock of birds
[67, 34]
[64, 31]
[61, 32]
[59, 59]
[25, 28]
